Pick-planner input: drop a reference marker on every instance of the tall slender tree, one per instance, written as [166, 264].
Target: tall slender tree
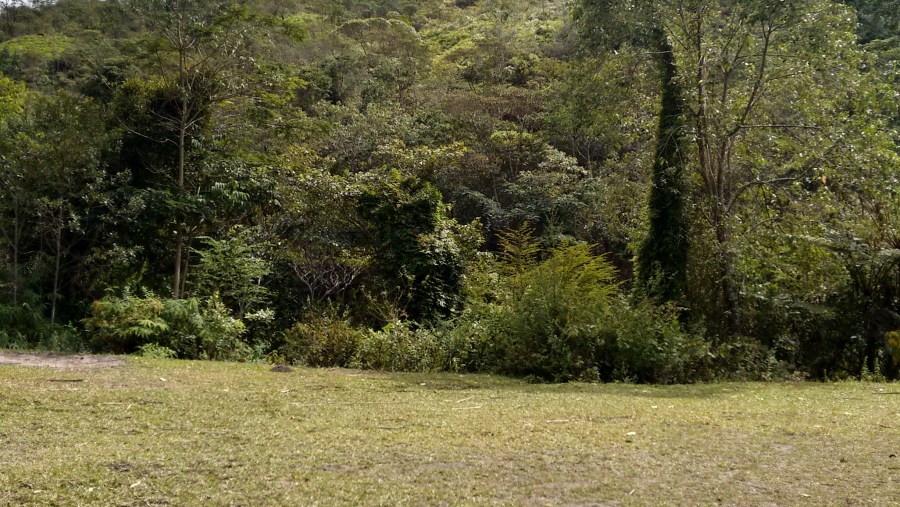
[662, 258]
[198, 51]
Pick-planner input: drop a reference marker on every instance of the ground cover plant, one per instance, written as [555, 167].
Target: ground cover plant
[169, 432]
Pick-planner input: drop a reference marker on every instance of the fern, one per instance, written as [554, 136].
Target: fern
[519, 248]
[147, 328]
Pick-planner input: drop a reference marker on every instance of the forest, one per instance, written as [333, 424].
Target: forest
[661, 191]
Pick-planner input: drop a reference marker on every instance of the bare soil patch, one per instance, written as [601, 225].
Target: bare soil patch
[60, 361]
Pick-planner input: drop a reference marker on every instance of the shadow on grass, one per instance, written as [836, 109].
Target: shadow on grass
[459, 382]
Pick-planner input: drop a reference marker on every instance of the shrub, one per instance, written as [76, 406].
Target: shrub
[564, 319]
[193, 329]
[744, 358]
[400, 347]
[231, 268]
[469, 347]
[122, 324]
[553, 323]
[331, 340]
[24, 327]
[156, 351]
[647, 344]
[893, 346]
[469, 339]
[218, 331]
[325, 340]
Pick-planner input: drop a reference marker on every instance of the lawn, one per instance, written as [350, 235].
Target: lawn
[153, 432]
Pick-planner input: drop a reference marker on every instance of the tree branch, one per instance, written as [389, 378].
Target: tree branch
[779, 126]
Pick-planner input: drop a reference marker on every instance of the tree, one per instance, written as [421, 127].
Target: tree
[770, 95]
[232, 269]
[12, 95]
[12, 98]
[419, 253]
[662, 257]
[55, 179]
[771, 92]
[199, 53]
[878, 19]
[392, 52]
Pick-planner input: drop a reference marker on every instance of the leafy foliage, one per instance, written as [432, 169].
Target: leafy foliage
[156, 351]
[662, 258]
[400, 347]
[231, 268]
[325, 340]
[565, 318]
[192, 329]
[419, 251]
[650, 345]
[554, 323]
[432, 173]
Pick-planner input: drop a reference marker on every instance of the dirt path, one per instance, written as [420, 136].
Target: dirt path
[59, 361]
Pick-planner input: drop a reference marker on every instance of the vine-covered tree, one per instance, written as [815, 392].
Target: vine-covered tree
[663, 255]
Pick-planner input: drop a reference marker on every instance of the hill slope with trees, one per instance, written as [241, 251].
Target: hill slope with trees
[666, 192]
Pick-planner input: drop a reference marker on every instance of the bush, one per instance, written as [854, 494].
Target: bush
[400, 347]
[156, 351]
[24, 327]
[743, 358]
[893, 346]
[553, 322]
[647, 344]
[563, 319]
[209, 330]
[193, 329]
[122, 324]
[329, 340]
[326, 340]
[469, 347]
[231, 268]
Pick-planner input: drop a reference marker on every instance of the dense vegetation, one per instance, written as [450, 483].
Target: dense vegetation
[661, 191]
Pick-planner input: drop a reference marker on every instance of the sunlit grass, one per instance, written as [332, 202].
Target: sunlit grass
[202, 433]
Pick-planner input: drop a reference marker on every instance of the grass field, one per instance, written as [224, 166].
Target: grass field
[156, 432]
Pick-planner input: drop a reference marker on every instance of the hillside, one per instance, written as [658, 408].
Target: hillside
[657, 191]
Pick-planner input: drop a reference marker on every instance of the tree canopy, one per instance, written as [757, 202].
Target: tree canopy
[666, 190]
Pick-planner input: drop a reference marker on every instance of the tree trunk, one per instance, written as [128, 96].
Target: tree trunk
[179, 235]
[179, 245]
[182, 135]
[56, 275]
[727, 285]
[16, 237]
[187, 263]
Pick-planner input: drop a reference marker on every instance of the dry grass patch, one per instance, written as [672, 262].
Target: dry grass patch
[200, 433]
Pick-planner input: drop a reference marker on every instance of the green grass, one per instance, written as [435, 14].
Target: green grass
[199, 433]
